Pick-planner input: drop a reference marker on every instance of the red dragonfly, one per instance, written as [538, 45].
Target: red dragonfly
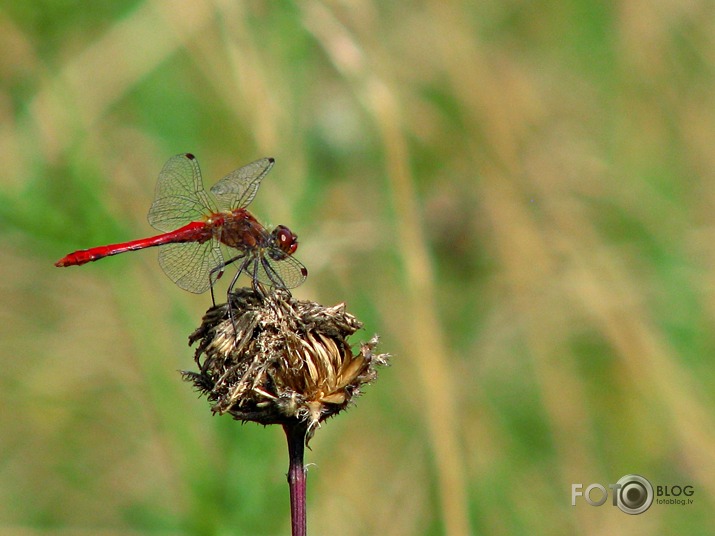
[198, 225]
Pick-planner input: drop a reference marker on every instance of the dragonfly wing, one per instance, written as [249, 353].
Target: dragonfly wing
[238, 188]
[282, 272]
[189, 264]
[180, 197]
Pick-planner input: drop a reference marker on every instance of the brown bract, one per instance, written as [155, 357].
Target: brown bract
[280, 360]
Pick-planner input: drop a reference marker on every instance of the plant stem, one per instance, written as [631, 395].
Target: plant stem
[295, 433]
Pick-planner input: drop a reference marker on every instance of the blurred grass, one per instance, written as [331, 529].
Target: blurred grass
[516, 195]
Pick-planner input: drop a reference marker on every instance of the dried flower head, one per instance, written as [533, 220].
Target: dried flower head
[276, 360]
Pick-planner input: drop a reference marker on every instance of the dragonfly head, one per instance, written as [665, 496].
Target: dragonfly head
[284, 238]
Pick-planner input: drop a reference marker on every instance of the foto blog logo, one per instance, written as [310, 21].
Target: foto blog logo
[633, 494]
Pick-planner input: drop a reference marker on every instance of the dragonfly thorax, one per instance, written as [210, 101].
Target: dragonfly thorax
[239, 229]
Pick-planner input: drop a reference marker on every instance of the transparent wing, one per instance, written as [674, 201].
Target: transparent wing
[238, 188]
[282, 272]
[180, 197]
[189, 264]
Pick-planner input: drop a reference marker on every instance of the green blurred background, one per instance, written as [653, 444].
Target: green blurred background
[518, 196]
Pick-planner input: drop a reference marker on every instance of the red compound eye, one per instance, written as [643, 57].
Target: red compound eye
[287, 241]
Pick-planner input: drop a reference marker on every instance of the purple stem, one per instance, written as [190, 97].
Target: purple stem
[295, 433]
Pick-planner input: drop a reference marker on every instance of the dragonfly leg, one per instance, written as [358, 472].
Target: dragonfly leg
[212, 279]
[257, 284]
[231, 285]
[276, 280]
[240, 270]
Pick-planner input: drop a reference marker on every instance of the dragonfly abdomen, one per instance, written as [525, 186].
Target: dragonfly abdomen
[192, 232]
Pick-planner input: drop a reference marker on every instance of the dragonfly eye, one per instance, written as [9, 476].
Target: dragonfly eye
[286, 240]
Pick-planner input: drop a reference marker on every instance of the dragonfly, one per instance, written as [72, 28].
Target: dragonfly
[203, 232]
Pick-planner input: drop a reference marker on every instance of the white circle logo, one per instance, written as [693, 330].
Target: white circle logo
[634, 494]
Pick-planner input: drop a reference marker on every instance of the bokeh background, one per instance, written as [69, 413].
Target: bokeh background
[518, 196]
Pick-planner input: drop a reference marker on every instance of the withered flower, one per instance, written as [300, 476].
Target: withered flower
[271, 359]
[276, 360]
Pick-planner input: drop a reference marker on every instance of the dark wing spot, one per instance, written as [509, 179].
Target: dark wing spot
[190, 156]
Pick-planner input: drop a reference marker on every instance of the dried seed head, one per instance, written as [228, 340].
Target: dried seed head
[280, 360]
